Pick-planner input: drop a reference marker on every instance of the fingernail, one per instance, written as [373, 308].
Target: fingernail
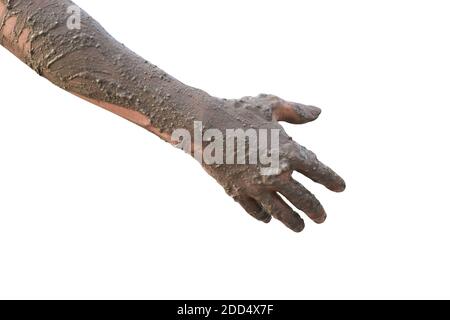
[321, 219]
[340, 187]
[299, 227]
[314, 112]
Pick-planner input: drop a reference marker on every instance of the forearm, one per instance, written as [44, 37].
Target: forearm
[90, 63]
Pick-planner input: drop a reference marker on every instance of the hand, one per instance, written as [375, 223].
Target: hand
[258, 194]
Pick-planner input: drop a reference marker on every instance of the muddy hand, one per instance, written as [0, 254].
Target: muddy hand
[259, 194]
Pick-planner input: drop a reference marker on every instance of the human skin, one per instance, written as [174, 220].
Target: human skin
[91, 64]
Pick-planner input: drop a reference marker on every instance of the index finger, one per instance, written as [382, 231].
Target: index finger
[306, 162]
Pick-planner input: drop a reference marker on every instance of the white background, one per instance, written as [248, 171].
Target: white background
[92, 206]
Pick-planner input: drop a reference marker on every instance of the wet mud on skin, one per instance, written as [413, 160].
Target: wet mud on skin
[91, 64]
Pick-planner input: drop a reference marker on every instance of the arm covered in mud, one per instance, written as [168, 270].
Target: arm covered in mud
[82, 58]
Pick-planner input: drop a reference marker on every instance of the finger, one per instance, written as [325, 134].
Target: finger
[280, 210]
[253, 208]
[304, 200]
[306, 162]
[295, 113]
